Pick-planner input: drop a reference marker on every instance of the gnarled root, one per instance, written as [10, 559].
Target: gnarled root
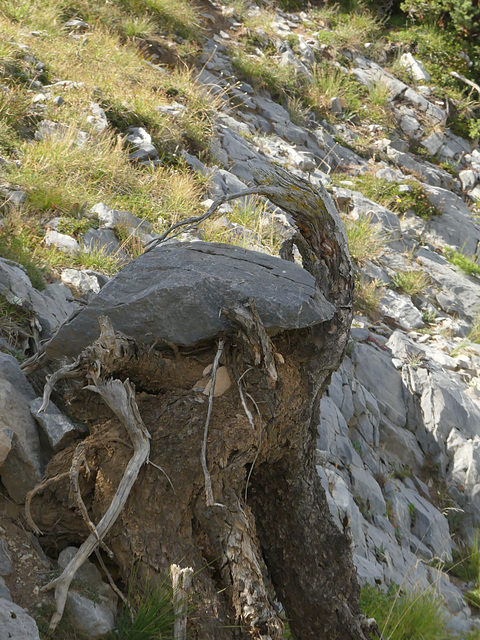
[104, 355]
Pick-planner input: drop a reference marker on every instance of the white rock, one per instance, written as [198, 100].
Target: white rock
[84, 282]
[468, 178]
[62, 242]
[415, 67]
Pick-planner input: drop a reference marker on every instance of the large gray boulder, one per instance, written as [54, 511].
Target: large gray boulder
[176, 292]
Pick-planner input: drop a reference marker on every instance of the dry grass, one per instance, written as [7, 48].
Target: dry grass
[365, 240]
[367, 295]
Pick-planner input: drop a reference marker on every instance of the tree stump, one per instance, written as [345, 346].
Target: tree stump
[267, 542]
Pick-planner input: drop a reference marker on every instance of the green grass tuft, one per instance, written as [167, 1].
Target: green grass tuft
[466, 263]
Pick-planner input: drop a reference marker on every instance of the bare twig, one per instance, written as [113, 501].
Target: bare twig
[33, 492]
[164, 473]
[68, 371]
[203, 455]
[192, 223]
[248, 413]
[260, 434]
[109, 577]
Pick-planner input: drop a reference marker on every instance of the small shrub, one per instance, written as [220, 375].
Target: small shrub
[463, 16]
[413, 283]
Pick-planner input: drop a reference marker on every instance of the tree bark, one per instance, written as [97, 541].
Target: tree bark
[268, 539]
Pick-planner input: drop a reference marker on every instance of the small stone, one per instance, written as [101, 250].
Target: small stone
[62, 242]
[77, 24]
[85, 282]
[468, 179]
[60, 431]
[145, 152]
[58, 101]
[138, 136]
[415, 67]
[16, 198]
[222, 383]
[336, 105]
[98, 118]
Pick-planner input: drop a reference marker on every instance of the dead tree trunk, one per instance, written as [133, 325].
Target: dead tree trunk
[268, 537]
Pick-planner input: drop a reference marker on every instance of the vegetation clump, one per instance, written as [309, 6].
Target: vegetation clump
[464, 262]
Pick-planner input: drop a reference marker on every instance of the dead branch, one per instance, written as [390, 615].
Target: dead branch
[181, 584]
[68, 371]
[253, 331]
[459, 76]
[109, 577]
[120, 397]
[203, 455]
[192, 223]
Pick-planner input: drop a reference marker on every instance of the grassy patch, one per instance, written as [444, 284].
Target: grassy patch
[389, 195]
[402, 615]
[413, 282]
[266, 73]
[466, 263]
[15, 245]
[149, 614]
[347, 29]
[256, 227]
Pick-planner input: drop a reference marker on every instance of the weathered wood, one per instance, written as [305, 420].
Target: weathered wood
[181, 585]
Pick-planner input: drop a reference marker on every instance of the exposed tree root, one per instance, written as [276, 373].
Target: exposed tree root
[33, 492]
[105, 353]
[203, 456]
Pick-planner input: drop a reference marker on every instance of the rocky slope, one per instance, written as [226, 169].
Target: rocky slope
[399, 439]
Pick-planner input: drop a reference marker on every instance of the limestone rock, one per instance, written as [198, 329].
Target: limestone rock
[59, 430]
[62, 242]
[23, 466]
[415, 67]
[15, 623]
[176, 291]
